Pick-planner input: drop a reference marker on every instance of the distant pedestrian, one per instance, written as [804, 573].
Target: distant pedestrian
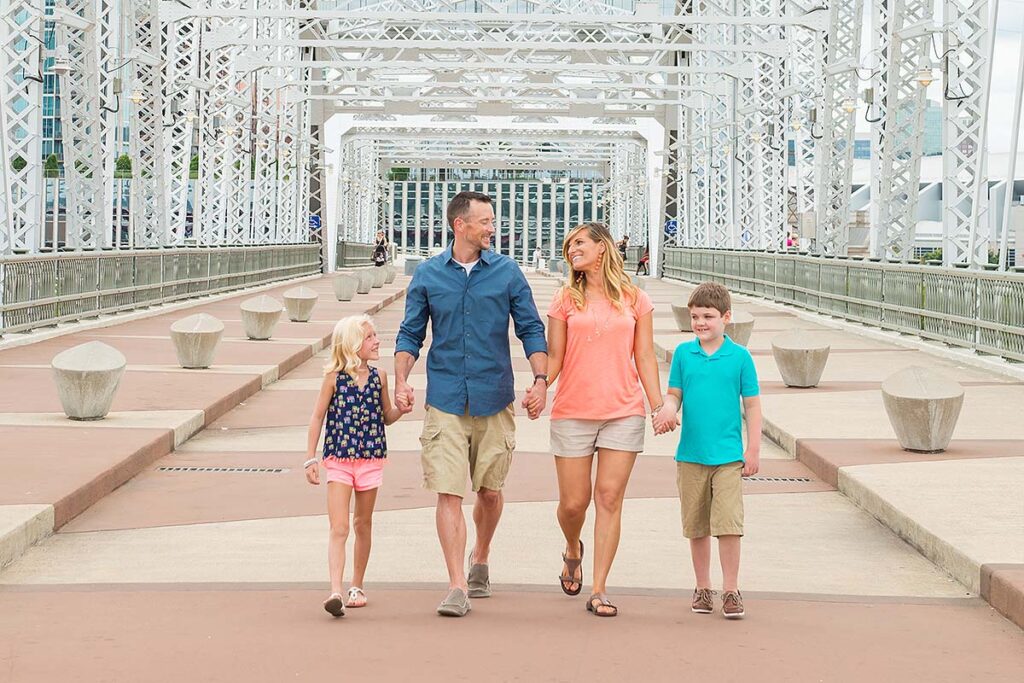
[380, 249]
[644, 264]
[354, 400]
[622, 245]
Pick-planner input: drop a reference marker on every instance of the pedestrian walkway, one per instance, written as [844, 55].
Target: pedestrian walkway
[210, 564]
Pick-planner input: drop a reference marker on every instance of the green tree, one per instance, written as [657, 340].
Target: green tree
[18, 163]
[398, 173]
[52, 167]
[123, 168]
[193, 168]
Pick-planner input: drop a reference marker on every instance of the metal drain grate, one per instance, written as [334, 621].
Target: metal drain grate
[797, 479]
[246, 470]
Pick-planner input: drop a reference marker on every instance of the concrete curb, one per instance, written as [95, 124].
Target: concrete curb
[1002, 586]
[31, 523]
[21, 527]
[941, 553]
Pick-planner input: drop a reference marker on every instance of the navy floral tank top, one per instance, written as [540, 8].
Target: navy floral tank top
[355, 420]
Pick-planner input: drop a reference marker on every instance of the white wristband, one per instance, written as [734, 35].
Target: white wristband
[311, 461]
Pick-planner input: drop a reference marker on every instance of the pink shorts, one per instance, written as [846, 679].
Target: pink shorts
[362, 475]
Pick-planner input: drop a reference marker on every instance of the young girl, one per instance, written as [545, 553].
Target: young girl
[354, 399]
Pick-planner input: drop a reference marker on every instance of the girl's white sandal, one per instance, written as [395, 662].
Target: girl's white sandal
[355, 593]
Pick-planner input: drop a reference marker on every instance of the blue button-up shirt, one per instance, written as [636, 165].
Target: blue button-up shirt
[469, 363]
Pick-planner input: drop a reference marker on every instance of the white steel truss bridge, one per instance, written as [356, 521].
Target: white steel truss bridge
[721, 124]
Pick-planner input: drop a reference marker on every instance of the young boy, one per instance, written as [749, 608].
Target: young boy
[708, 376]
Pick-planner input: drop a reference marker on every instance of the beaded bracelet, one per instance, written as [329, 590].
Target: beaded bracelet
[311, 461]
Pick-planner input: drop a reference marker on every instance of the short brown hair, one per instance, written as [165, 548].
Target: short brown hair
[458, 207]
[711, 295]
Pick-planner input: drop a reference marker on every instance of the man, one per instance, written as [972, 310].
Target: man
[468, 293]
[538, 259]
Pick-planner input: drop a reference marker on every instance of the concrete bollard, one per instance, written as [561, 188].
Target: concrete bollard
[195, 340]
[260, 315]
[740, 327]
[345, 285]
[390, 273]
[380, 276]
[411, 263]
[87, 377]
[299, 303]
[681, 312]
[800, 358]
[923, 407]
[365, 280]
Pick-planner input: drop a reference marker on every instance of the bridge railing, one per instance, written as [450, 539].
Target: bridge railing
[46, 289]
[978, 310]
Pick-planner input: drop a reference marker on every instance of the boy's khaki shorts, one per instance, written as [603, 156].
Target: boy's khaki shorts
[461, 447]
[711, 499]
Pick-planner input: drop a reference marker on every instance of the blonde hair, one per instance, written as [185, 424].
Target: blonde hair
[346, 341]
[616, 282]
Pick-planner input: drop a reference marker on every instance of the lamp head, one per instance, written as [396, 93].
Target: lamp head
[925, 76]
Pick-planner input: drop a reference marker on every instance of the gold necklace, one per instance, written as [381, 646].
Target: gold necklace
[599, 329]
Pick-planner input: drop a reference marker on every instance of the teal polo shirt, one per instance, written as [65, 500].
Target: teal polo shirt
[712, 386]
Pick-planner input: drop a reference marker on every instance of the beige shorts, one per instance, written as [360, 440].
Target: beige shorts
[580, 438]
[461, 447]
[711, 499]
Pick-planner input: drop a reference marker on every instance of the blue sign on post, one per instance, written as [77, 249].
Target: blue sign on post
[671, 227]
[314, 222]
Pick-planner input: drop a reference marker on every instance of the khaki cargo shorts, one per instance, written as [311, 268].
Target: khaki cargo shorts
[461, 447]
[711, 499]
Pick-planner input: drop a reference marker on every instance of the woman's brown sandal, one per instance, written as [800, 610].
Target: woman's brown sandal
[571, 566]
[602, 601]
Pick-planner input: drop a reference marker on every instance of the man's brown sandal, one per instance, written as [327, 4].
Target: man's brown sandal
[571, 566]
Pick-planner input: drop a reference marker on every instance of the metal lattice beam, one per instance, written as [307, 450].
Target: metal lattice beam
[20, 125]
[836, 126]
[898, 136]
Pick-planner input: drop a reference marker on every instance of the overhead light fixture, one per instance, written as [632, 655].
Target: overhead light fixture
[925, 76]
[136, 97]
[849, 105]
[191, 116]
[796, 126]
[61, 61]
[755, 136]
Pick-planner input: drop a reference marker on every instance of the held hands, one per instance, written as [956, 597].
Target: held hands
[665, 420]
[404, 399]
[751, 462]
[535, 399]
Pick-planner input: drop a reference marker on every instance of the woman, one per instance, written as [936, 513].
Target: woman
[601, 347]
[644, 263]
[380, 249]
